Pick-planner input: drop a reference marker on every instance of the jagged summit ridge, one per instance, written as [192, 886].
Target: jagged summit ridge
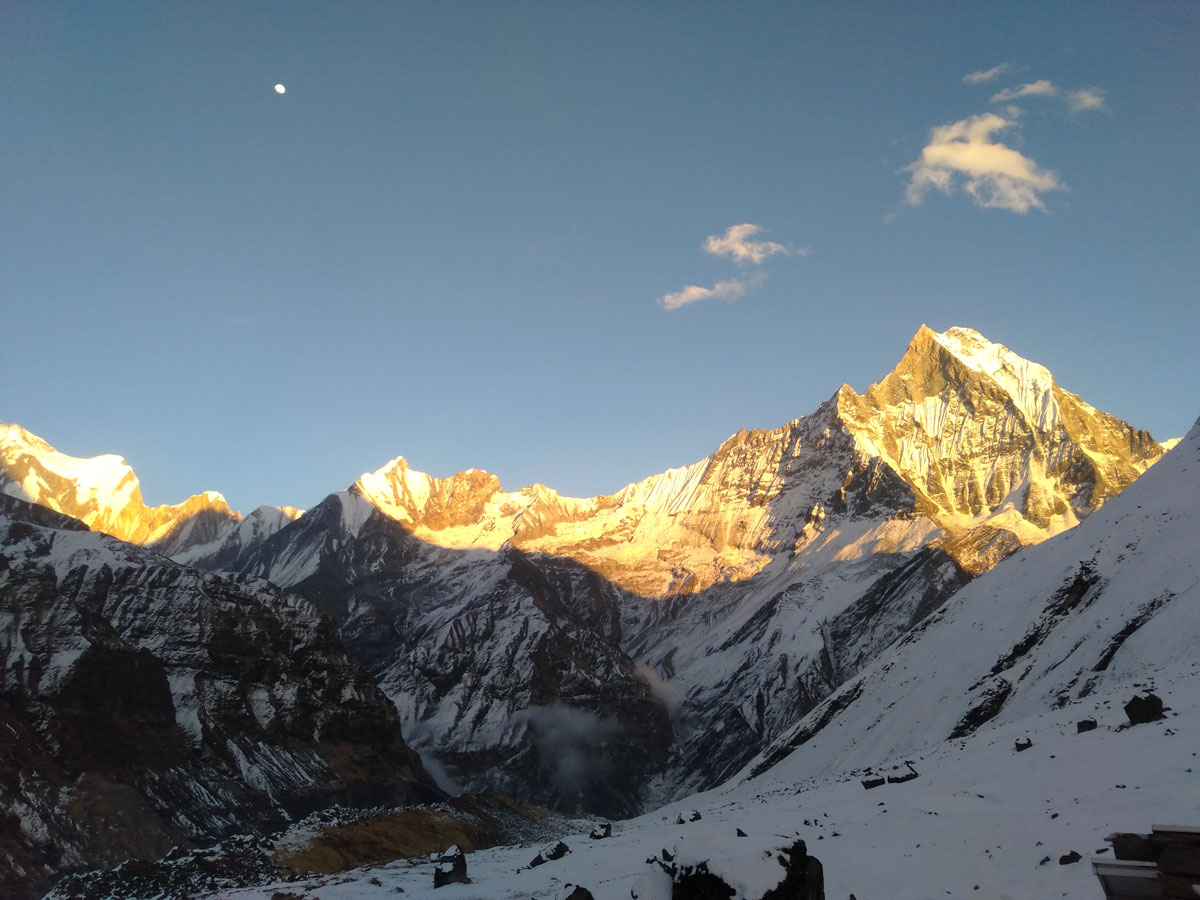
[964, 444]
[104, 493]
[967, 436]
[101, 491]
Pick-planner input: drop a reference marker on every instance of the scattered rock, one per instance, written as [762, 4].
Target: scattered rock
[1144, 708]
[550, 852]
[573, 892]
[1067, 858]
[804, 879]
[903, 777]
[1085, 725]
[686, 816]
[601, 831]
[1022, 743]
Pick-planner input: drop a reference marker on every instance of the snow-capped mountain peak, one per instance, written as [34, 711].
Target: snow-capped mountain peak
[101, 491]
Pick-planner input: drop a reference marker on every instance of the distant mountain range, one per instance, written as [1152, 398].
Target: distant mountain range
[987, 753]
[611, 653]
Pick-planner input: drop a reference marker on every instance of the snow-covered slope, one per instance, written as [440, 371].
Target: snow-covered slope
[1110, 603]
[1075, 627]
[980, 821]
[145, 705]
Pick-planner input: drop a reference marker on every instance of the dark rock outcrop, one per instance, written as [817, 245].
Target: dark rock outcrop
[148, 706]
[549, 853]
[453, 871]
[1144, 708]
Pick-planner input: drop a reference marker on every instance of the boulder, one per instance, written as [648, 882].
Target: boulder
[602, 830]
[1085, 725]
[573, 892]
[453, 871]
[1142, 709]
[803, 879]
[549, 853]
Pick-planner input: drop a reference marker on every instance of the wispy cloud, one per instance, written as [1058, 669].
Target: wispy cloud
[736, 244]
[964, 155]
[985, 75]
[1085, 99]
[722, 290]
[1042, 88]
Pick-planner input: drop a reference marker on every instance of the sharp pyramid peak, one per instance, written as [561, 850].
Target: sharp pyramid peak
[1030, 385]
[992, 359]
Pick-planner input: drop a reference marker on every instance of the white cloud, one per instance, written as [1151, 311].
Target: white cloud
[1085, 99]
[1042, 88]
[986, 74]
[722, 290]
[736, 244]
[995, 175]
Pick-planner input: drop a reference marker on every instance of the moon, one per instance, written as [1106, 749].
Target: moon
[280, 89]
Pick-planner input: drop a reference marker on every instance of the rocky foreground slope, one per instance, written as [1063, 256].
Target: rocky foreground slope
[532, 641]
[145, 706]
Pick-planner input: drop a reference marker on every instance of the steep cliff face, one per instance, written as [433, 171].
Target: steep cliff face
[147, 705]
[506, 669]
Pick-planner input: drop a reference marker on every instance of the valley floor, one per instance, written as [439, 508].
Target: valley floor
[981, 821]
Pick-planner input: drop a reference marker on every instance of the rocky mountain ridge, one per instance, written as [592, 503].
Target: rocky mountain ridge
[989, 447]
[146, 705]
[104, 493]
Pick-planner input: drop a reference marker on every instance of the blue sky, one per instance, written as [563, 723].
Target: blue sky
[457, 235]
